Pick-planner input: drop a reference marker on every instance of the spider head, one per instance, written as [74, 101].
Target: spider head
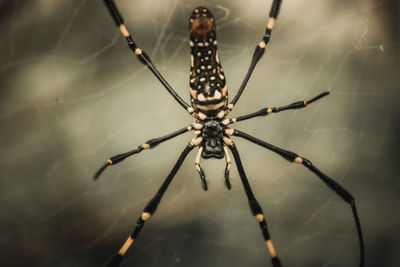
[213, 145]
[202, 23]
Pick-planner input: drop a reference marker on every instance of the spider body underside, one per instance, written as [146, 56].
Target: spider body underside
[209, 105]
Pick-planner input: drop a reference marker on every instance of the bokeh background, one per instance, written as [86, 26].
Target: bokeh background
[72, 94]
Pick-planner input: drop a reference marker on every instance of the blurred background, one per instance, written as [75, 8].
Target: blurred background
[72, 94]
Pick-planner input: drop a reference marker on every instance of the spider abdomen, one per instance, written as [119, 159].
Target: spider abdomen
[208, 89]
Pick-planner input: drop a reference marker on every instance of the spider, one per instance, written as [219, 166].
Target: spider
[212, 134]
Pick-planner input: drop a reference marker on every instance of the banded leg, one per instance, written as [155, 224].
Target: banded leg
[267, 111]
[141, 55]
[227, 168]
[259, 50]
[200, 170]
[150, 209]
[149, 144]
[293, 157]
[255, 207]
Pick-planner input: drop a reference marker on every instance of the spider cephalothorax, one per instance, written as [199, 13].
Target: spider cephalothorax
[212, 129]
[213, 144]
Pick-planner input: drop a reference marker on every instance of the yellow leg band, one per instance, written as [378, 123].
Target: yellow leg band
[271, 248]
[127, 244]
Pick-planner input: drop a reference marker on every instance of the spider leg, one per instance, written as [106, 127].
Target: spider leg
[149, 144]
[255, 207]
[150, 209]
[200, 170]
[293, 157]
[267, 111]
[259, 50]
[141, 55]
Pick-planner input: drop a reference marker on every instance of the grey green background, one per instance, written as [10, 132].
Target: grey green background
[72, 94]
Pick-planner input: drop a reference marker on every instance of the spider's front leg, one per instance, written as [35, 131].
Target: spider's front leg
[255, 207]
[150, 208]
[336, 187]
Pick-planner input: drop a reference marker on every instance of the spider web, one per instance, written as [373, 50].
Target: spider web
[72, 95]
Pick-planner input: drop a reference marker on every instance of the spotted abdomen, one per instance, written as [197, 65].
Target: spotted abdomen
[208, 90]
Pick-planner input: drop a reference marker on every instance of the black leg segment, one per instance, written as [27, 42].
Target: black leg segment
[255, 208]
[112, 8]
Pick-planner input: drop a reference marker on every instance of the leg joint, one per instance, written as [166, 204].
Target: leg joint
[255, 207]
[298, 160]
[260, 217]
[145, 216]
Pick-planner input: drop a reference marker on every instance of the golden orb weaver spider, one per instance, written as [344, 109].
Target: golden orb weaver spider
[209, 105]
